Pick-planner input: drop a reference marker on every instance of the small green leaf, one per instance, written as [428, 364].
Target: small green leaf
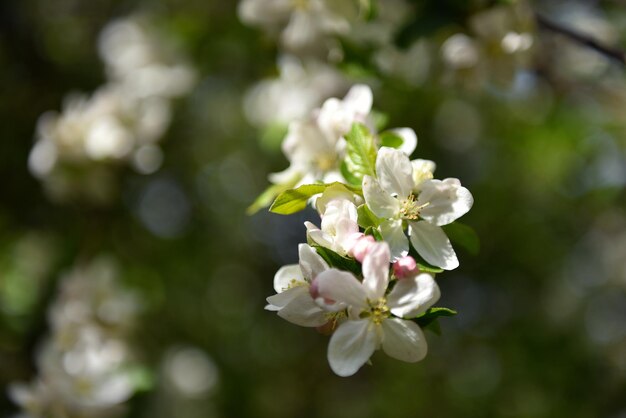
[294, 200]
[360, 153]
[433, 314]
[267, 197]
[390, 139]
[373, 232]
[464, 236]
[337, 261]
[366, 217]
[350, 178]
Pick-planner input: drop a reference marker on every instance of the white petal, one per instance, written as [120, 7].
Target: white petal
[280, 300]
[285, 276]
[409, 139]
[332, 193]
[303, 311]
[318, 236]
[380, 202]
[403, 340]
[422, 170]
[411, 297]
[359, 99]
[395, 172]
[352, 344]
[433, 245]
[343, 287]
[376, 271]
[393, 234]
[311, 262]
[345, 229]
[447, 201]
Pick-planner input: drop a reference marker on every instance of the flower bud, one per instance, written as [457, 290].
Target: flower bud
[405, 267]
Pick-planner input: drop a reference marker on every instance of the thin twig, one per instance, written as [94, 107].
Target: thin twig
[613, 53]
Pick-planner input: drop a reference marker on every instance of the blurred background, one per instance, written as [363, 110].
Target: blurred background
[136, 133]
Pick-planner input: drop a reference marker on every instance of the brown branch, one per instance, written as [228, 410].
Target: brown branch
[613, 53]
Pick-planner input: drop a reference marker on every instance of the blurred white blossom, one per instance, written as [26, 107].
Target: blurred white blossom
[300, 87]
[77, 150]
[86, 366]
[303, 25]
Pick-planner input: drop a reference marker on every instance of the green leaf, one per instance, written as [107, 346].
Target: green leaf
[390, 139]
[432, 314]
[351, 178]
[464, 236]
[360, 153]
[294, 200]
[373, 232]
[267, 197]
[337, 261]
[366, 217]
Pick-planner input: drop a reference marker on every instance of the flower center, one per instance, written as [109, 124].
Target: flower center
[409, 209]
[294, 283]
[325, 162]
[378, 312]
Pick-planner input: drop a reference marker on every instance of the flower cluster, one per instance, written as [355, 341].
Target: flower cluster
[366, 274]
[86, 366]
[77, 150]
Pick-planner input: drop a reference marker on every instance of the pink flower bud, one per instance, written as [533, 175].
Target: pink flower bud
[405, 267]
[362, 247]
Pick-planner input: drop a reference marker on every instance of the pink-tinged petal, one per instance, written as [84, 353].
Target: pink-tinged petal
[413, 296]
[362, 246]
[352, 344]
[433, 245]
[286, 276]
[394, 172]
[403, 340]
[343, 287]
[393, 234]
[280, 300]
[381, 203]
[376, 271]
[445, 201]
[409, 140]
[311, 263]
[303, 311]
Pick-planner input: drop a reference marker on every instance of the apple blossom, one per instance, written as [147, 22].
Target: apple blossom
[425, 206]
[292, 300]
[375, 316]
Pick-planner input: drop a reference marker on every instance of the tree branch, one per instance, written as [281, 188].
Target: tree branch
[613, 53]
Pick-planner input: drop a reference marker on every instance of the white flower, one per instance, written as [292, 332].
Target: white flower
[438, 202]
[339, 220]
[292, 300]
[374, 317]
[314, 146]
